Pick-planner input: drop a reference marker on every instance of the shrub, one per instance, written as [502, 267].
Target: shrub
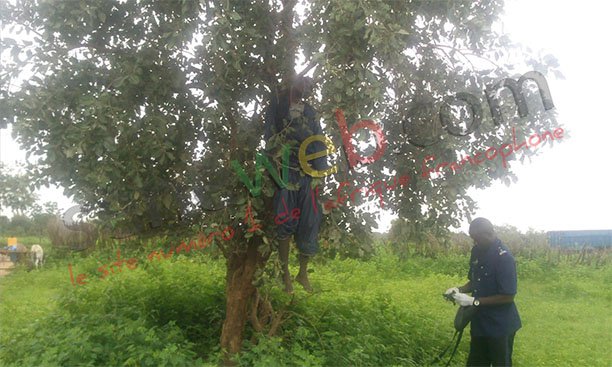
[156, 315]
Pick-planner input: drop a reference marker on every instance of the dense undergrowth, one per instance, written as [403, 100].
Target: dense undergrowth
[380, 312]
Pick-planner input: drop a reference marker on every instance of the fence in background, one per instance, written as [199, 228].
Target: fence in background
[575, 239]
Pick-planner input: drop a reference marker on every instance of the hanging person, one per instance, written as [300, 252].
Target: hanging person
[290, 120]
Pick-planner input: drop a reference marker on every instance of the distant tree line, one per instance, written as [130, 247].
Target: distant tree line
[32, 224]
[407, 239]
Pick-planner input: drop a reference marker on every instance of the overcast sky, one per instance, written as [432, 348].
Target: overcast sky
[567, 186]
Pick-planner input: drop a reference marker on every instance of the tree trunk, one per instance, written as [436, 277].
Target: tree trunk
[239, 290]
[242, 265]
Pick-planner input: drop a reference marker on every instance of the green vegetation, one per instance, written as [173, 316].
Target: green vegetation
[136, 109]
[380, 312]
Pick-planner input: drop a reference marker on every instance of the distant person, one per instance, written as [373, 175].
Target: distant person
[13, 253]
[492, 282]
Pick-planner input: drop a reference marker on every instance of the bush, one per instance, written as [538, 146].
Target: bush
[158, 315]
[381, 312]
[97, 339]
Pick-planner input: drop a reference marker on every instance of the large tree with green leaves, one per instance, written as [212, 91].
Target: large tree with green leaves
[136, 108]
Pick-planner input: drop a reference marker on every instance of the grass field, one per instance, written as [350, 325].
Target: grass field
[381, 312]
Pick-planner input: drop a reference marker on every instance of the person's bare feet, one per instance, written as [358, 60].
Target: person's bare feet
[303, 280]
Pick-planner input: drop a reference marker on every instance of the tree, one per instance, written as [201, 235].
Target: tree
[136, 108]
[41, 217]
[16, 191]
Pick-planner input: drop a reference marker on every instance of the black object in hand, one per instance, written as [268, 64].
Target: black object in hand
[449, 297]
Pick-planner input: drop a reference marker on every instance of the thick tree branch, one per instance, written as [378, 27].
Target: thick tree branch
[289, 43]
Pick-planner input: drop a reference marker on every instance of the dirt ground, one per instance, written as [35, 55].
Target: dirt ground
[5, 265]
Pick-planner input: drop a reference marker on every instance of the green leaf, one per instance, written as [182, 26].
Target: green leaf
[138, 181]
[167, 201]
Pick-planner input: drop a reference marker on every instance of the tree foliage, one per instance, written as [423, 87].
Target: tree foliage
[16, 191]
[135, 108]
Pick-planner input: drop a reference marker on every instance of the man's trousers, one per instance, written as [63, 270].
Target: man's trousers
[487, 351]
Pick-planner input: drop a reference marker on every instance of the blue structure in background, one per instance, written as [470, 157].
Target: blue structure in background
[592, 238]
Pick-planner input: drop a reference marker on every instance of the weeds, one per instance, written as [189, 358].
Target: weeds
[380, 312]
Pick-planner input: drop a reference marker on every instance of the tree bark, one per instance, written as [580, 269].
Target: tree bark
[288, 42]
[239, 290]
[242, 264]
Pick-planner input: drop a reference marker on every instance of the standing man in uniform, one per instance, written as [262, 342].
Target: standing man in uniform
[493, 284]
[290, 120]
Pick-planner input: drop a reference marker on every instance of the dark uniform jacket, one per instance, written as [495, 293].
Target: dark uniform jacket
[493, 271]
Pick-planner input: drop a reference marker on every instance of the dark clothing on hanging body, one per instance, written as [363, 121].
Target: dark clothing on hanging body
[292, 124]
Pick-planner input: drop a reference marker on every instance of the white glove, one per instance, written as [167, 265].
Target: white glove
[463, 299]
[451, 290]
